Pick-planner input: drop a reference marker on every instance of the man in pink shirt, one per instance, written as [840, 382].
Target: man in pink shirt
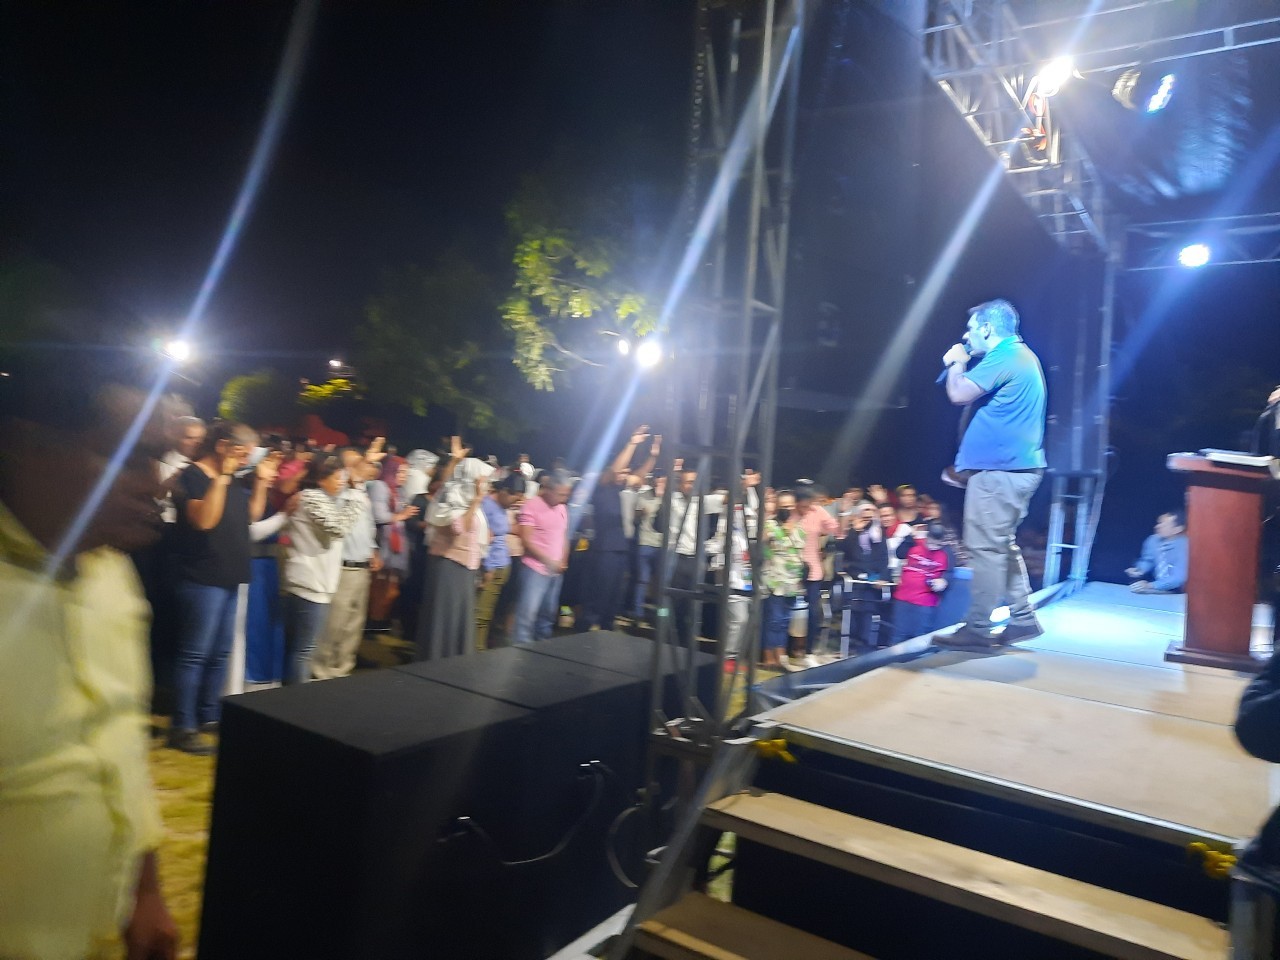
[543, 526]
[817, 525]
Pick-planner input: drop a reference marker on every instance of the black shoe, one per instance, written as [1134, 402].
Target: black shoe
[965, 638]
[189, 741]
[1020, 631]
[211, 727]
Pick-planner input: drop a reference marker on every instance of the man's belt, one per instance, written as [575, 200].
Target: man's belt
[355, 564]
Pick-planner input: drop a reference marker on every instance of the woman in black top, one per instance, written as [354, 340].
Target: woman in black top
[214, 510]
[864, 558]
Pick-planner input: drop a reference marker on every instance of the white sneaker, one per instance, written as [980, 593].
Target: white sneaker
[812, 661]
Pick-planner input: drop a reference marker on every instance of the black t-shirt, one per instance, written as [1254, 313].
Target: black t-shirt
[606, 509]
[217, 557]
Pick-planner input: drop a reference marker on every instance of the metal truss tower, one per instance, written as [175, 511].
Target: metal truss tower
[726, 328]
[727, 325]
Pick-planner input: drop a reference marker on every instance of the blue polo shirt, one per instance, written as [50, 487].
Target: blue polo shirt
[1007, 428]
[498, 555]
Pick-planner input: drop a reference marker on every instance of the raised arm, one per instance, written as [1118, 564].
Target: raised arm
[621, 465]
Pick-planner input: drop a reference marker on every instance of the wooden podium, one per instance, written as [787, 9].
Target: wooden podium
[1224, 524]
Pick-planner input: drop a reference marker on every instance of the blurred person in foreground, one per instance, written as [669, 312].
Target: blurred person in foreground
[79, 823]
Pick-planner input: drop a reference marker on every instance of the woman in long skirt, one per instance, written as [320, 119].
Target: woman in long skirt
[460, 536]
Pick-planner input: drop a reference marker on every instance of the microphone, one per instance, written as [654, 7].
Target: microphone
[942, 377]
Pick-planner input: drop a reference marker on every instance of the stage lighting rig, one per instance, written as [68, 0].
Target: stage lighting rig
[1147, 89]
[1195, 255]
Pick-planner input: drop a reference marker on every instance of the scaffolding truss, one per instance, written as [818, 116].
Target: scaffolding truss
[1233, 241]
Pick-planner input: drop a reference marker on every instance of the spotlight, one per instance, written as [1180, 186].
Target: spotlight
[1055, 73]
[648, 354]
[1146, 88]
[335, 363]
[1160, 99]
[179, 351]
[1194, 255]
[624, 346]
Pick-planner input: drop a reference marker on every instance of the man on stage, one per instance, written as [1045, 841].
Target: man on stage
[1002, 455]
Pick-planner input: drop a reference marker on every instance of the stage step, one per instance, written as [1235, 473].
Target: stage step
[1095, 918]
[699, 928]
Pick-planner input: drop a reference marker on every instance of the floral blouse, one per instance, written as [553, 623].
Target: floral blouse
[784, 566]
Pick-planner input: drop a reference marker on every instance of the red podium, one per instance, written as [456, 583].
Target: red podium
[1224, 524]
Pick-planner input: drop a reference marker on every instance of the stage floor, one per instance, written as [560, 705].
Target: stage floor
[1087, 720]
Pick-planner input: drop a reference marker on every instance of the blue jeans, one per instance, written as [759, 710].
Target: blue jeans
[537, 604]
[646, 565]
[813, 594]
[777, 618]
[304, 621]
[912, 620]
[208, 618]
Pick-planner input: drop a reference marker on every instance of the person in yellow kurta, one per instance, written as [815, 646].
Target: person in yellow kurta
[79, 824]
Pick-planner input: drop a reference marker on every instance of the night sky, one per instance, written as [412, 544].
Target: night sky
[128, 127]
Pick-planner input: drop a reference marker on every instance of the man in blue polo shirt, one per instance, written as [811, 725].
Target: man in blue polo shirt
[1003, 453]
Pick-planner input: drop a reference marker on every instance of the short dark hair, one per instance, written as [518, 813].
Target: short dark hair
[512, 483]
[804, 491]
[319, 469]
[999, 313]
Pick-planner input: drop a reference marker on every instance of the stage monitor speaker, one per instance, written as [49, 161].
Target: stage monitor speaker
[633, 656]
[336, 831]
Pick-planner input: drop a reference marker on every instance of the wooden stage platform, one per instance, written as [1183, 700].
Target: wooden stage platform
[1087, 721]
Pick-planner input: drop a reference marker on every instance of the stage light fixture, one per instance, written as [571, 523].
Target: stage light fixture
[179, 351]
[1194, 255]
[1149, 90]
[1164, 93]
[624, 346]
[648, 354]
[335, 363]
[1055, 73]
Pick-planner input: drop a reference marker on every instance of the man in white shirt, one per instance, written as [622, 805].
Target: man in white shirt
[335, 652]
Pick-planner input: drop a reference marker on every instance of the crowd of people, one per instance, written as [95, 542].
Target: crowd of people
[302, 550]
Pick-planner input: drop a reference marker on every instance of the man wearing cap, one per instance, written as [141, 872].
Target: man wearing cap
[1002, 455]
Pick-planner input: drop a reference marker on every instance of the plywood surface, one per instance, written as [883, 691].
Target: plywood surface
[1075, 912]
[1210, 696]
[699, 928]
[1161, 767]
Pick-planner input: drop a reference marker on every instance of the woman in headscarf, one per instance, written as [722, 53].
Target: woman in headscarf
[389, 514]
[422, 465]
[460, 535]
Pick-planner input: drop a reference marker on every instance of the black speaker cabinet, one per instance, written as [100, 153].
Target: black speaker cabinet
[633, 656]
[336, 827]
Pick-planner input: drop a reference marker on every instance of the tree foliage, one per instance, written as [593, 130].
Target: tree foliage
[420, 343]
[265, 398]
[580, 268]
[335, 390]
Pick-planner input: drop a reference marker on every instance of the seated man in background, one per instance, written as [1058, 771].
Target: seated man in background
[1162, 567]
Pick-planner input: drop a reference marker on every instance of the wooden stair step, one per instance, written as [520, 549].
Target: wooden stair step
[700, 928]
[1069, 910]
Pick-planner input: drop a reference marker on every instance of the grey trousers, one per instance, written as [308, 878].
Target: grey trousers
[995, 502]
[335, 652]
